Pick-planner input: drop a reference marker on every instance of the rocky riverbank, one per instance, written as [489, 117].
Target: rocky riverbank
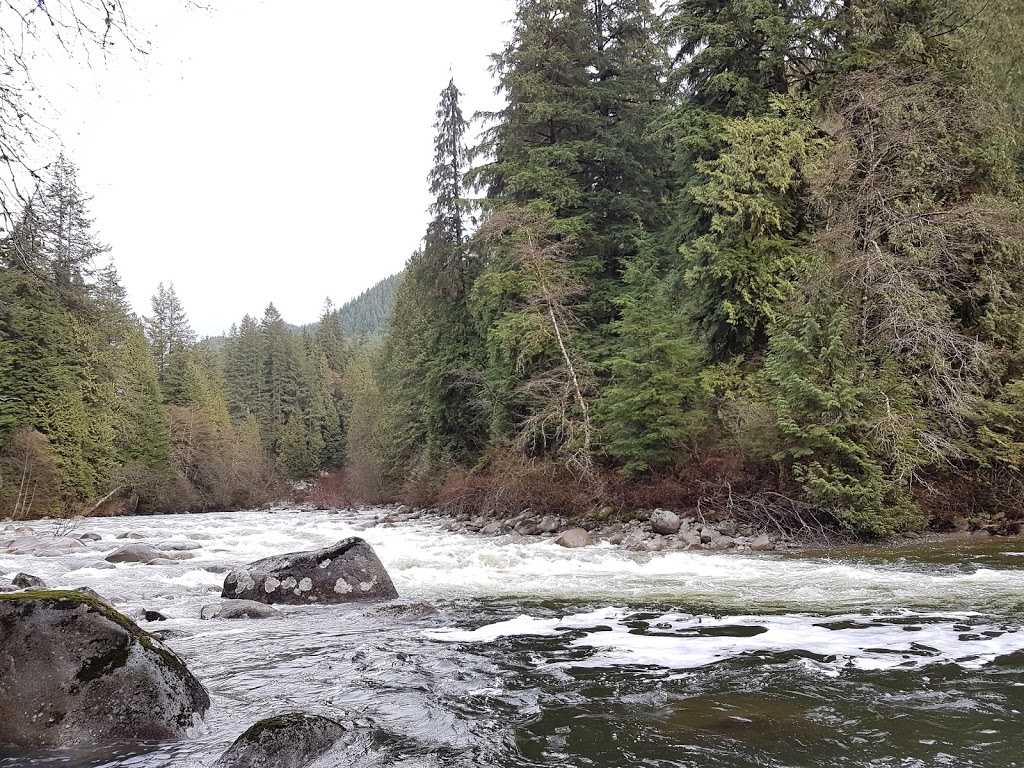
[664, 530]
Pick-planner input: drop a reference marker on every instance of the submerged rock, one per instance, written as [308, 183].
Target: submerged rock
[238, 609]
[75, 672]
[288, 741]
[342, 573]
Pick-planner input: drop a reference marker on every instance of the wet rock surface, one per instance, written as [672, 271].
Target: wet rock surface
[75, 672]
[135, 553]
[574, 538]
[346, 572]
[287, 741]
[239, 609]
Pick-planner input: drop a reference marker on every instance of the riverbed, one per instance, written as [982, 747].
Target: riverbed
[508, 653]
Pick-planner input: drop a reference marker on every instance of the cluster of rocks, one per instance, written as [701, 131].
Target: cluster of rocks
[654, 531]
[24, 540]
[75, 671]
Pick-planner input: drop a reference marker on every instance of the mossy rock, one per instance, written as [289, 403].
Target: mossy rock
[75, 672]
[294, 740]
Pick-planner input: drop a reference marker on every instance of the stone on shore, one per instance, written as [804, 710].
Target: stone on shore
[574, 538]
[343, 573]
[665, 522]
[75, 672]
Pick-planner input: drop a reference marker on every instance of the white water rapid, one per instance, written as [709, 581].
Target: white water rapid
[497, 648]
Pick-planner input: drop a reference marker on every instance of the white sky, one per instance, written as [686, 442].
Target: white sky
[270, 151]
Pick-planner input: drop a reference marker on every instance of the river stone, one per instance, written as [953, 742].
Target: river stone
[574, 538]
[99, 565]
[288, 741]
[134, 553]
[179, 546]
[762, 544]
[238, 609]
[691, 538]
[492, 528]
[549, 524]
[42, 545]
[90, 536]
[665, 522]
[342, 573]
[74, 672]
[28, 581]
[721, 543]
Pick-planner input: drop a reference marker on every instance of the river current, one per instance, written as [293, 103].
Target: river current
[502, 653]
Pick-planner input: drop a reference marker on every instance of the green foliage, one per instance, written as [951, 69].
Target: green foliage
[650, 409]
[742, 270]
[850, 431]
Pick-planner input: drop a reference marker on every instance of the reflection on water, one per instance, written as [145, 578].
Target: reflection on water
[505, 654]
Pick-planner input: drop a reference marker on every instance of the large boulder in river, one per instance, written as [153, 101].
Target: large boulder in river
[75, 672]
[342, 573]
[573, 538]
[287, 741]
[135, 553]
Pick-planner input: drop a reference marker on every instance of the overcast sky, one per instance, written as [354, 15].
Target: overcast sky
[270, 151]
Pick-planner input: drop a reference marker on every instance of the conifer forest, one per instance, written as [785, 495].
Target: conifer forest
[760, 255]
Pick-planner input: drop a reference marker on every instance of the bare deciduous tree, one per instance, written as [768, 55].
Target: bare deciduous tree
[557, 390]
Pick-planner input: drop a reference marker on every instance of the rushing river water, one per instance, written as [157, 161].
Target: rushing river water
[509, 654]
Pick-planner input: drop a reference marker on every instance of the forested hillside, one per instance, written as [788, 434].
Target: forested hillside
[101, 410]
[745, 253]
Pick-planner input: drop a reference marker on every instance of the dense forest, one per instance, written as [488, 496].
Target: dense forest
[750, 255]
[101, 410]
[745, 253]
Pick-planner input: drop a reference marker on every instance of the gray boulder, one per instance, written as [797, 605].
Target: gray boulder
[134, 553]
[665, 522]
[342, 573]
[722, 543]
[287, 741]
[27, 581]
[574, 538]
[762, 544]
[549, 524]
[238, 609]
[75, 672]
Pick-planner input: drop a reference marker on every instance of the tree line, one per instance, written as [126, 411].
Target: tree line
[105, 411]
[751, 253]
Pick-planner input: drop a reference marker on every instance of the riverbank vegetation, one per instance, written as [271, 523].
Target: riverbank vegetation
[748, 256]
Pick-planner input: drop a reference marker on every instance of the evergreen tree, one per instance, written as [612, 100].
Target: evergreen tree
[67, 242]
[280, 400]
[651, 408]
[168, 329]
[244, 364]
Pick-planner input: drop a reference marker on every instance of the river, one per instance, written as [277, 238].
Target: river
[527, 654]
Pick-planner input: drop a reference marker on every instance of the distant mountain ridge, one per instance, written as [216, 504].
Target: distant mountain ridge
[366, 316]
